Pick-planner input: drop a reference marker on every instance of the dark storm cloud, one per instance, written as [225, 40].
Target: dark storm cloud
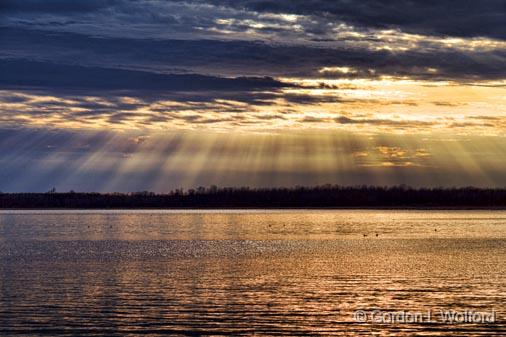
[56, 6]
[441, 17]
[22, 73]
[247, 58]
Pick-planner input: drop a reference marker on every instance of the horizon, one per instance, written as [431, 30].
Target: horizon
[214, 188]
[155, 95]
[299, 197]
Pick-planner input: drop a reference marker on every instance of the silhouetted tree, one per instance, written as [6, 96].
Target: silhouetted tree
[326, 196]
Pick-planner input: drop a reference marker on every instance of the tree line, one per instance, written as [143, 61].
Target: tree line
[326, 196]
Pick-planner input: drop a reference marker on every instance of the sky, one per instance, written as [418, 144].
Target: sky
[131, 95]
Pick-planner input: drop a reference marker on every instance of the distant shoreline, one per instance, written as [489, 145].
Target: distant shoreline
[327, 197]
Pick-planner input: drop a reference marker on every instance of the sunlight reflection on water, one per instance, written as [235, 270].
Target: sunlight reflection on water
[235, 273]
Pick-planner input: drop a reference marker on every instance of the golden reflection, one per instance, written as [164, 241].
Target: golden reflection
[237, 272]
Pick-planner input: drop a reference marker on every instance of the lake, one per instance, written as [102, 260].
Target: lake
[269, 273]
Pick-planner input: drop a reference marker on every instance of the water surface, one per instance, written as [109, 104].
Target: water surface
[272, 273]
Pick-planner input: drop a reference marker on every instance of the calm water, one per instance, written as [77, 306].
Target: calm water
[289, 273]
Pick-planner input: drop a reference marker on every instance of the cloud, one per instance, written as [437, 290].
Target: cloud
[232, 63]
[444, 17]
[265, 109]
[73, 73]
[57, 6]
[416, 124]
[22, 73]
[393, 156]
[118, 110]
[249, 58]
